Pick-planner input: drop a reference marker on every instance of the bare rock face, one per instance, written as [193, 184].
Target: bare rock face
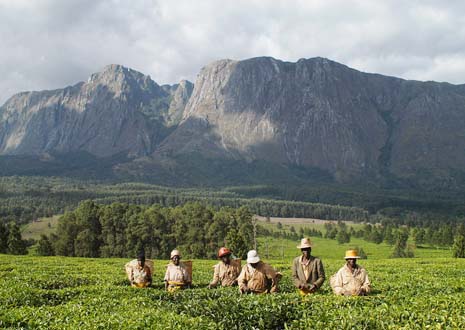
[180, 96]
[312, 114]
[117, 111]
[321, 114]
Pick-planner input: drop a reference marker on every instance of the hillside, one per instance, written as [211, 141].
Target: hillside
[314, 123]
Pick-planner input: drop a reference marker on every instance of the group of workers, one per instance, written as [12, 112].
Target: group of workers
[256, 276]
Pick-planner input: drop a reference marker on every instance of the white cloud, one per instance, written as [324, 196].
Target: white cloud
[51, 43]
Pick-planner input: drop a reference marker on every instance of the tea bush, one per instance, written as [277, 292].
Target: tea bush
[75, 293]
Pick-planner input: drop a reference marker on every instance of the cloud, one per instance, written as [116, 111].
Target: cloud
[49, 44]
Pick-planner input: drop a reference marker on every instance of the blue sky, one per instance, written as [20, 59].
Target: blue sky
[48, 44]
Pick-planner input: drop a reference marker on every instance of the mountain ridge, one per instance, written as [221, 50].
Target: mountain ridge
[244, 117]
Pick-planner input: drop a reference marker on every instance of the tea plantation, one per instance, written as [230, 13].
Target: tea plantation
[426, 292]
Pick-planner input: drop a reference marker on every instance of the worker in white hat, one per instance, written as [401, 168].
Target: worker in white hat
[307, 271]
[257, 276]
[176, 277]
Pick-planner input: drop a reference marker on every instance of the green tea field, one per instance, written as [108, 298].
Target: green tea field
[426, 292]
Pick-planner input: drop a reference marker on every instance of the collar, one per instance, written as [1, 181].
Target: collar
[306, 263]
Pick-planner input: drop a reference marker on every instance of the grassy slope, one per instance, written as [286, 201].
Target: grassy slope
[36, 228]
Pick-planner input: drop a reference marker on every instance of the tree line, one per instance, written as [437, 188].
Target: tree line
[122, 230]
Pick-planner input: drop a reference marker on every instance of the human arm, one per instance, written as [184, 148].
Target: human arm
[321, 275]
[149, 276]
[166, 278]
[242, 280]
[295, 275]
[366, 286]
[336, 283]
[216, 277]
[272, 275]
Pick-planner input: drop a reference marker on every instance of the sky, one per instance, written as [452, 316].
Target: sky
[50, 44]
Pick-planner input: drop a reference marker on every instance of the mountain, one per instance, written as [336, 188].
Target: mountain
[259, 120]
[319, 114]
[117, 111]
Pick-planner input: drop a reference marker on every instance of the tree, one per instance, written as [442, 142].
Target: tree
[376, 236]
[16, 245]
[3, 238]
[389, 236]
[44, 247]
[400, 247]
[342, 237]
[419, 236]
[458, 247]
[238, 244]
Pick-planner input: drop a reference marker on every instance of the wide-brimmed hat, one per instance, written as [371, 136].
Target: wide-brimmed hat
[224, 251]
[175, 253]
[252, 257]
[352, 254]
[305, 243]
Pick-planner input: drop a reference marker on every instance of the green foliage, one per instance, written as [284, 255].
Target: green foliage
[342, 237]
[27, 198]
[401, 249]
[3, 238]
[121, 230]
[77, 293]
[459, 242]
[16, 245]
[45, 247]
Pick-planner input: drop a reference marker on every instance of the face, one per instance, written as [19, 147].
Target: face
[226, 258]
[176, 260]
[254, 265]
[351, 262]
[306, 252]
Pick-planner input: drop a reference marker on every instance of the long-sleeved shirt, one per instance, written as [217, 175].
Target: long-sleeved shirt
[310, 272]
[258, 280]
[139, 276]
[346, 282]
[226, 274]
[178, 274]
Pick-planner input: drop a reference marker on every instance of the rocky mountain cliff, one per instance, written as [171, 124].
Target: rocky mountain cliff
[118, 110]
[317, 113]
[312, 115]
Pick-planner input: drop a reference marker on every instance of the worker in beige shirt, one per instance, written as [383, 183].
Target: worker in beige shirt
[176, 276]
[307, 271]
[226, 271]
[351, 279]
[257, 276]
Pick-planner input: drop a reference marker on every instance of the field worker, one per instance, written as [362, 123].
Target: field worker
[256, 276]
[139, 274]
[308, 273]
[351, 279]
[176, 277]
[225, 272]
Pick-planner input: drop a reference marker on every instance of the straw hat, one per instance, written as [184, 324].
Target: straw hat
[175, 253]
[305, 243]
[252, 257]
[352, 254]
